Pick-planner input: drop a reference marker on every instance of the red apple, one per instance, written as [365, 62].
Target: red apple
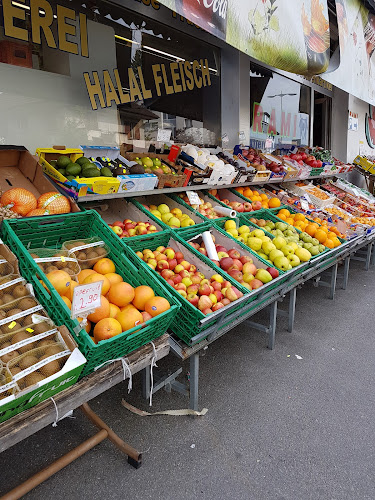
[193, 299]
[255, 284]
[161, 256]
[176, 279]
[183, 293]
[162, 264]
[226, 284]
[207, 311]
[233, 294]
[226, 263]
[180, 286]
[146, 316]
[192, 289]
[129, 225]
[219, 295]
[179, 256]
[126, 221]
[238, 264]
[178, 268]
[172, 263]
[167, 274]
[187, 281]
[213, 298]
[196, 279]
[257, 205]
[118, 223]
[225, 301]
[161, 249]
[170, 253]
[216, 285]
[171, 282]
[220, 248]
[245, 258]
[247, 207]
[204, 289]
[184, 273]
[195, 245]
[216, 262]
[202, 251]
[273, 272]
[117, 230]
[204, 302]
[236, 274]
[234, 254]
[186, 265]
[217, 306]
[192, 268]
[249, 268]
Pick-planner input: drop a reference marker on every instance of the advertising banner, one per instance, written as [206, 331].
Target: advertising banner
[293, 36]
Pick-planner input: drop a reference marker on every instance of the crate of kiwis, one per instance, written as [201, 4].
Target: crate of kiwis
[87, 251]
[48, 260]
[8, 386]
[6, 269]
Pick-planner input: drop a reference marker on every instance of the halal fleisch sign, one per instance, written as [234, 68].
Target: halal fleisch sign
[167, 79]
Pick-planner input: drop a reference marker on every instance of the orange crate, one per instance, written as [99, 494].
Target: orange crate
[15, 53]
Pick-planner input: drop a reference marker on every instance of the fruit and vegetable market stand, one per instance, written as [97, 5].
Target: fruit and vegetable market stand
[48, 412]
[268, 298]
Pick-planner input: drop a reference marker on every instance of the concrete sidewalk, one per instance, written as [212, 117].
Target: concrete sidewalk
[278, 427]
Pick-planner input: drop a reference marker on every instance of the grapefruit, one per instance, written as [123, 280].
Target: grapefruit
[113, 310]
[93, 278]
[69, 292]
[106, 329]
[142, 294]
[104, 266]
[101, 312]
[67, 302]
[129, 318]
[83, 274]
[113, 278]
[121, 294]
[60, 280]
[157, 305]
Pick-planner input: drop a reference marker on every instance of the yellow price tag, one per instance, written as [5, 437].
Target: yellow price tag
[62, 258]
[12, 325]
[30, 330]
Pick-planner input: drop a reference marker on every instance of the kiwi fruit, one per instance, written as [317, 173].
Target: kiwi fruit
[50, 269]
[14, 370]
[3, 314]
[54, 349]
[7, 297]
[5, 328]
[50, 368]
[41, 327]
[9, 356]
[81, 256]
[102, 252]
[92, 255]
[48, 342]
[18, 337]
[20, 291]
[27, 361]
[33, 378]
[34, 256]
[27, 303]
[13, 312]
[1, 302]
[27, 320]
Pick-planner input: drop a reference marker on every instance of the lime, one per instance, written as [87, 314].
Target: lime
[63, 161]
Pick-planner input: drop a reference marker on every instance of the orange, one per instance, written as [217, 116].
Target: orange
[336, 242]
[281, 216]
[324, 223]
[324, 228]
[101, 312]
[247, 192]
[129, 318]
[142, 295]
[256, 192]
[289, 220]
[106, 328]
[264, 196]
[60, 280]
[299, 217]
[310, 229]
[157, 305]
[93, 278]
[113, 278]
[104, 266]
[113, 310]
[121, 294]
[300, 225]
[67, 302]
[331, 235]
[240, 190]
[69, 293]
[334, 230]
[320, 236]
[329, 243]
[284, 211]
[265, 204]
[318, 220]
[83, 274]
[274, 203]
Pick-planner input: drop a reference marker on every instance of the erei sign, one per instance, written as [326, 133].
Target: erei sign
[168, 79]
[42, 19]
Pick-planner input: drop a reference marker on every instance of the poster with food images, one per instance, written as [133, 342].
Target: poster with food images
[293, 36]
[356, 69]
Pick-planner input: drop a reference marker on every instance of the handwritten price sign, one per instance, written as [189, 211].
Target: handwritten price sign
[86, 298]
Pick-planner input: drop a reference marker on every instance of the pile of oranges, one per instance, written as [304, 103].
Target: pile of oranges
[254, 196]
[122, 306]
[318, 228]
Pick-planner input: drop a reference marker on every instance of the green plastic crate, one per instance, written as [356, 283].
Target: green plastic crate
[316, 171]
[198, 218]
[52, 232]
[184, 204]
[187, 323]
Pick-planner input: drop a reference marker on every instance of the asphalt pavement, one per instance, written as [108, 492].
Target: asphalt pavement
[295, 423]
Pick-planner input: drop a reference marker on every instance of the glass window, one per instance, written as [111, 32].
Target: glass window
[45, 99]
[280, 110]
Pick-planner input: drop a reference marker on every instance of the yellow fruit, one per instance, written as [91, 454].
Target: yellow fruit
[303, 254]
[163, 208]
[230, 224]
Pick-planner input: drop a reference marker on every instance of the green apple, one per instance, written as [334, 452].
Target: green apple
[289, 267]
[321, 248]
[163, 208]
[282, 263]
[173, 221]
[254, 243]
[294, 245]
[265, 238]
[233, 232]
[287, 250]
[314, 250]
[165, 217]
[279, 233]
[186, 222]
[257, 233]
[267, 247]
[270, 224]
[156, 162]
[156, 213]
[281, 226]
[248, 277]
[274, 254]
[147, 162]
[315, 242]
[303, 254]
[294, 260]
[263, 276]
[307, 246]
[279, 242]
[289, 232]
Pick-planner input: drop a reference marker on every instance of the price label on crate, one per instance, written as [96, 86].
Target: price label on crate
[304, 204]
[86, 298]
[193, 198]
[164, 134]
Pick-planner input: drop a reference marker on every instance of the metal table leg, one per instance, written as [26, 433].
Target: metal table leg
[368, 256]
[346, 272]
[194, 381]
[272, 328]
[333, 282]
[292, 309]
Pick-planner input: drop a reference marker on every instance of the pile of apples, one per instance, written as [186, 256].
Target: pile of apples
[253, 157]
[174, 218]
[207, 294]
[235, 205]
[129, 228]
[240, 267]
[205, 208]
[304, 158]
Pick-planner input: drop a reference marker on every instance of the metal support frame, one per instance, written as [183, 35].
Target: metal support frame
[365, 255]
[290, 313]
[194, 381]
[168, 382]
[270, 329]
[317, 281]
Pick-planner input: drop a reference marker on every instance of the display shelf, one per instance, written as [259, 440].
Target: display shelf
[199, 187]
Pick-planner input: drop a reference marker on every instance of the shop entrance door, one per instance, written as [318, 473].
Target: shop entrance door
[322, 120]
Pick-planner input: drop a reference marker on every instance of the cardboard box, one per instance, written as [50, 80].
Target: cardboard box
[164, 180]
[134, 183]
[18, 168]
[6, 254]
[67, 376]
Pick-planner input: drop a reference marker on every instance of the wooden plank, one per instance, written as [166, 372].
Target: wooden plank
[30, 421]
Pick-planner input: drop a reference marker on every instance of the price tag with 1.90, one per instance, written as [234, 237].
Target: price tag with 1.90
[86, 298]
